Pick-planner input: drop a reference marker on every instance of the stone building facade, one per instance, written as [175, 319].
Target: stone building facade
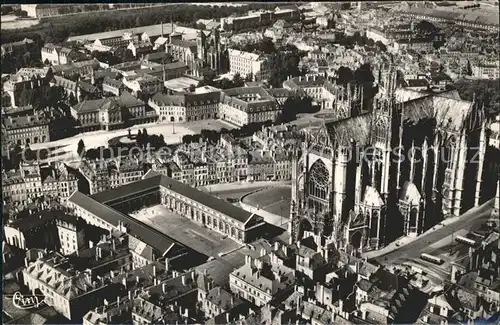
[412, 159]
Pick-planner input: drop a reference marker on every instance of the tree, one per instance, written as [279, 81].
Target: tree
[346, 6]
[138, 139]
[381, 46]
[344, 75]
[364, 74]
[426, 27]
[128, 55]
[26, 97]
[209, 74]
[138, 22]
[284, 63]
[50, 75]
[20, 13]
[72, 100]
[482, 91]
[6, 10]
[469, 68]
[295, 105]
[437, 44]
[200, 26]
[238, 82]
[81, 148]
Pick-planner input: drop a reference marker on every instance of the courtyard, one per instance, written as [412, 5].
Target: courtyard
[186, 232]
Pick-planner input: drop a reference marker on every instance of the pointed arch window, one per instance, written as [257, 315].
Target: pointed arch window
[319, 178]
[380, 131]
[413, 217]
[449, 152]
[374, 224]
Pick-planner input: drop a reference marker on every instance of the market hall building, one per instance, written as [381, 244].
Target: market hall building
[213, 213]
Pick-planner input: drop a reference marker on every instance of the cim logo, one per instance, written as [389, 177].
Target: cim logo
[27, 302]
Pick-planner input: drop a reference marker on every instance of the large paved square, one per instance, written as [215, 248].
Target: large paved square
[187, 232]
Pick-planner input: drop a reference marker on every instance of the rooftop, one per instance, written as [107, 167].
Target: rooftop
[151, 30]
[50, 270]
[147, 234]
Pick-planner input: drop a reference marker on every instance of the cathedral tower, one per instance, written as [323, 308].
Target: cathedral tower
[201, 44]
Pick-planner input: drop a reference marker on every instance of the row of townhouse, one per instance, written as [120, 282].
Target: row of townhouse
[23, 126]
[105, 174]
[204, 164]
[35, 181]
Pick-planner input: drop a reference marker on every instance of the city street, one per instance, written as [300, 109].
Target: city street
[238, 189]
[471, 221]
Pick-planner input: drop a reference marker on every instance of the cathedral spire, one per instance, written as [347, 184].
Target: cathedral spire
[349, 94]
[412, 163]
[425, 150]
[400, 151]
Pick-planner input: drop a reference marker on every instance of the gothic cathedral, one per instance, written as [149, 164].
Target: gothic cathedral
[396, 169]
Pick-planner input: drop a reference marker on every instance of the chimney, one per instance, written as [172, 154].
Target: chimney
[124, 282]
[137, 279]
[164, 287]
[118, 301]
[262, 251]
[112, 274]
[154, 270]
[166, 264]
[183, 280]
[26, 262]
[227, 318]
[276, 246]
[130, 295]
